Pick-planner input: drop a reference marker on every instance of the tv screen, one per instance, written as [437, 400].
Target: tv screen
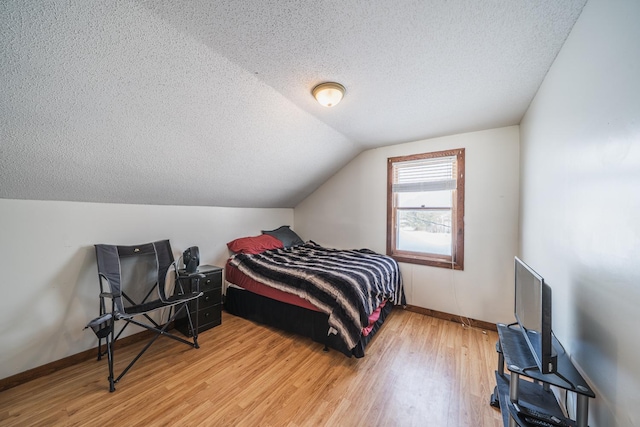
[533, 314]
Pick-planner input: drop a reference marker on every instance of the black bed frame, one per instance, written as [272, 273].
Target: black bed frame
[291, 318]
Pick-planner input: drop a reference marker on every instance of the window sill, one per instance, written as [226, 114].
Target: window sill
[430, 261]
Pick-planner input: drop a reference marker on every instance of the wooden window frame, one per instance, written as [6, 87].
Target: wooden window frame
[456, 260]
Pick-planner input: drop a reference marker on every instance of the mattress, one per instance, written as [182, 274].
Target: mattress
[237, 278]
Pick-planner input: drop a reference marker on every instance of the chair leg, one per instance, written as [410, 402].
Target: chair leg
[159, 333]
[194, 331]
[110, 339]
[102, 311]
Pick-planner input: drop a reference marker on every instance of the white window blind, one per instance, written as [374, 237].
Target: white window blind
[434, 174]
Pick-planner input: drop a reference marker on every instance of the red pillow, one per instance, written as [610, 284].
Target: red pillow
[254, 245]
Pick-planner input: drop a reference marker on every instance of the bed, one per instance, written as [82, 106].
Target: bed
[339, 298]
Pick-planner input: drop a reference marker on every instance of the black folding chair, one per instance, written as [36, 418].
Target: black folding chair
[139, 279]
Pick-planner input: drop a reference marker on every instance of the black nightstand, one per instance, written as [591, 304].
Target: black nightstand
[209, 304]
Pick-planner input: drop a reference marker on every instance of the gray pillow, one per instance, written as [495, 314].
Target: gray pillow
[287, 236]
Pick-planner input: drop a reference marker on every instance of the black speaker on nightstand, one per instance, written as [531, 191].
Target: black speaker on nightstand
[191, 259]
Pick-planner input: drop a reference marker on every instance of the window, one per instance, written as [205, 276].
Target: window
[425, 208]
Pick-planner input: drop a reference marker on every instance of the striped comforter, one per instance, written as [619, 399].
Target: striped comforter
[347, 285]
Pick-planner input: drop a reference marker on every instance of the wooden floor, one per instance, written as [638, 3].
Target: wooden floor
[418, 371]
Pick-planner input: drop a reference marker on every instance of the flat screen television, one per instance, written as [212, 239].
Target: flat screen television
[533, 314]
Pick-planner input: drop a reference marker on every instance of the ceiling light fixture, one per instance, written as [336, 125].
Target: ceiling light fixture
[328, 94]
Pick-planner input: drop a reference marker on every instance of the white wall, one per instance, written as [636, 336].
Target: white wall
[49, 280]
[580, 208]
[349, 211]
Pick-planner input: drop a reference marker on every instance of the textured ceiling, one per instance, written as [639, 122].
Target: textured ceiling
[208, 102]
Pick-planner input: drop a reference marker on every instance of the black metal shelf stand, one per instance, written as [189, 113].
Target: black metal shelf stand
[534, 393]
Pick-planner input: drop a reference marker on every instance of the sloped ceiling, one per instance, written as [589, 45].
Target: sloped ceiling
[208, 102]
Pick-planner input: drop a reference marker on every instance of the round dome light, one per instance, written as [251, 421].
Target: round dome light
[328, 94]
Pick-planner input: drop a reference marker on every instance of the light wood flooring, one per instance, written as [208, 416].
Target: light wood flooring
[418, 371]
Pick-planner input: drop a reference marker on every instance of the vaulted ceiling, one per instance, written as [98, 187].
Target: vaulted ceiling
[208, 102]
